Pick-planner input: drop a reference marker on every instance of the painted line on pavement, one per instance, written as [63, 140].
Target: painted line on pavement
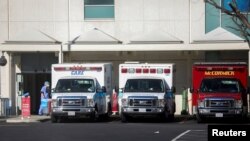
[179, 136]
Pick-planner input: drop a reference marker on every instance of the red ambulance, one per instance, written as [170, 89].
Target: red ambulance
[219, 90]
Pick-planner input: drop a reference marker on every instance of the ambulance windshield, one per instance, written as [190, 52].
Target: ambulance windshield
[75, 85]
[214, 85]
[144, 85]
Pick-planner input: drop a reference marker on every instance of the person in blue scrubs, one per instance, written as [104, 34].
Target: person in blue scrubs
[44, 95]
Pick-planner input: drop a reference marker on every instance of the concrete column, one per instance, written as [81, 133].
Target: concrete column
[60, 57]
[12, 84]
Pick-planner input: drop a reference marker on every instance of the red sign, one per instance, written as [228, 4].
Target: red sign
[26, 107]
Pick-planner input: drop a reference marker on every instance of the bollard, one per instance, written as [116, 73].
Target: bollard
[184, 102]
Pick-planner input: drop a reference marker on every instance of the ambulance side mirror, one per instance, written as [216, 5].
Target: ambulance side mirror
[104, 89]
[121, 90]
[53, 90]
[101, 90]
[247, 90]
[173, 89]
[191, 90]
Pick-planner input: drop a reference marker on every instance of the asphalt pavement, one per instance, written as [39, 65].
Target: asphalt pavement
[43, 118]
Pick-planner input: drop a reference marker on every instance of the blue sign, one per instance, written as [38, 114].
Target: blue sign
[77, 72]
[242, 5]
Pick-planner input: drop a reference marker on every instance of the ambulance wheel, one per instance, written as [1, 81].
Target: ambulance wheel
[199, 118]
[94, 116]
[106, 116]
[244, 119]
[109, 109]
[171, 117]
[53, 119]
[124, 118]
[167, 117]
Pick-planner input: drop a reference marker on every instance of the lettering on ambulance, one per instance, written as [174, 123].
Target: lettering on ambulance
[227, 73]
[77, 72]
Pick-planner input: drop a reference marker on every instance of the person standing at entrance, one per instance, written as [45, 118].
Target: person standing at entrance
[44, 96]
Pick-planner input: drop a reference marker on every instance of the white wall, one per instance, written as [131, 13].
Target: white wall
[132, 17]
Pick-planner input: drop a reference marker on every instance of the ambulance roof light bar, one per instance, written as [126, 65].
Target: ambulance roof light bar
[77, 68]
[145, 70]
[221, 68]
[131, 62]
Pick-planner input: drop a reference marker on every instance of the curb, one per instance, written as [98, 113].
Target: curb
[27, 120]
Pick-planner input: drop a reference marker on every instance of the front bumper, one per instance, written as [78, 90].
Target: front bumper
[72, 111]
[143, 110]
[220, 113]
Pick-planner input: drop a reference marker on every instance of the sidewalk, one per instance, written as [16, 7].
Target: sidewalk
[19, 119]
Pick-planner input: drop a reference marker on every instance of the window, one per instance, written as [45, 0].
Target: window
[75, 85]
[98, 9]
[243, 5]
[216, 18]
[144, 85]
[218, 85]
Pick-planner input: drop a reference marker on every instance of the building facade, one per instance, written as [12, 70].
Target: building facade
[38, 33]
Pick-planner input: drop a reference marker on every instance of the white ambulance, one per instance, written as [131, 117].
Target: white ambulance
[146, 89]
[80, 90]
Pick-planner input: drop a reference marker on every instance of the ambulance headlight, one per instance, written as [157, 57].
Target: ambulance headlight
[161, 102]
[124, 102]
[201, 103]
[238, 103]
[54, 103]
[90, 103]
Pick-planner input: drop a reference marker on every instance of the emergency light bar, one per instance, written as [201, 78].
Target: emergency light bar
[77, 68]
[145, 70]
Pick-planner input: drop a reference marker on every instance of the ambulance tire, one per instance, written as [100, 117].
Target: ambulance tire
[199, 118]
[244, 119]
[106, 116]
[167, 117]
[94, 116]
[53, 119]
[124, 118]
[171, 117]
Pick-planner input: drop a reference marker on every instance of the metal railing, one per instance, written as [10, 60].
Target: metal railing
[4, 107]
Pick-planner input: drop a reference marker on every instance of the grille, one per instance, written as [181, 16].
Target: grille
[142, 102]
[220, 103]
[71, 102]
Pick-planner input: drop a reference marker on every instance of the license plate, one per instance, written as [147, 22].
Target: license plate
[218, 114]
[142, 110]
[71, 113]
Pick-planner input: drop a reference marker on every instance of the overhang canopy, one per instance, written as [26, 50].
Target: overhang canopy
[31, 36]
[219, 35]
[155, 37]
[95, 36]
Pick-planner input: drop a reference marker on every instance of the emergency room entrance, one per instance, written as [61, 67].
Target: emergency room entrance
[32, 83]
[35, 70]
